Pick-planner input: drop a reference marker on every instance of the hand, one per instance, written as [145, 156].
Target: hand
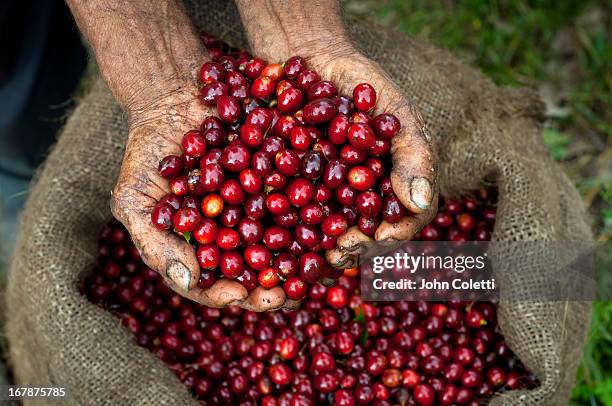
[315, 31]
[413, 175]
[154, 133]
[150, 59]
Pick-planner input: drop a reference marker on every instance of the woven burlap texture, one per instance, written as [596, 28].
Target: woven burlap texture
[488, 135]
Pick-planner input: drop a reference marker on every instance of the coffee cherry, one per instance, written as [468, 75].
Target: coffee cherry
[300, 138]
[294, 288]
[311, 166]
[206, 231]
[306, 235]
[361, 136]
[278, 203]
[231, 264]
[212, 205]
[210, 93]
[306, 78]
[212, 72]
[287, 220]
[312, 214]
[235, 157]
[208, 256]
[386, 125]
[335, 174]
[300, 192]
[233, 78]
[173, 200]
[361, 178]
[392, 209]
[268, 278]
[311, 267]
[336, 297]
[253, 67]
[322, 89]
[250, 181]
[287, 162]
[232, 192]
[319, 111]
[251, 135]
[260, 118]
[212, 177]
[294, 66]
[337, 129]
[228, 108]
[227, 239]
[352, 155]
[283, 85]
[261, 164]
[475, 319]
[368, 204]
[193, 144]
[273, 70]
[334, 225]
[162, 216]
[282, 128]
[364, 97]
[424, 395]
[255, 206]
[262, 88]
[465, 222]
[250, 231]
[367, 225]
[170, 166]
[257, 257]
[186, 219]
[290, 100]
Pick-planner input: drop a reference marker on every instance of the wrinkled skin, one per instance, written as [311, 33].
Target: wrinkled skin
[140, 187]
[315, 31]
[149, 54]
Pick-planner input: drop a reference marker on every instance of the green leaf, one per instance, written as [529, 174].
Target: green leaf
[364, 337]
[360, 317]
[557, 143]
[187, 236]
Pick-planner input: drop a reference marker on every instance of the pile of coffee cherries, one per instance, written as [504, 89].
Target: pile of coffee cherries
[335, 350]
[286, 167]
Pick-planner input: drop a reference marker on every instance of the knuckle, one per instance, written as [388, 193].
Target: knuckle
[118, 203]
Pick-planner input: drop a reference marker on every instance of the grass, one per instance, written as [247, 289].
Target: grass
[563, 49]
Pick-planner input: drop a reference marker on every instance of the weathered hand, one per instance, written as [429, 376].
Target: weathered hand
[413, 175]
[315, 31]
[154, 134]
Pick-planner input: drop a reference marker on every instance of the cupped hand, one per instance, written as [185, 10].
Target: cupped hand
[414, 158]
[413, 175]
[154, 133]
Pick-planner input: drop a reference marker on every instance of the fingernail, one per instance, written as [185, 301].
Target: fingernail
[179, 274]
[420, 192]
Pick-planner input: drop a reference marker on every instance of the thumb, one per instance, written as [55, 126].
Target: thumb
[414, 172]
[413, 176]
[162, 251]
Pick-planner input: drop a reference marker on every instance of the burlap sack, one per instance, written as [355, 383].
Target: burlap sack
[488, 134]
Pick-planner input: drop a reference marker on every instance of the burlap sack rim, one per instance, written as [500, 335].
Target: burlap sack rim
[499, 105]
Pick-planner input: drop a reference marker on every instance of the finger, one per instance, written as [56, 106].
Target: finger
[349, 246]
[292, 304]
[164, 252]
[408, 226]
[404, 230]
[222, 293]
[353, 240]
[414, 172]
[327, 282]
[262, 300]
